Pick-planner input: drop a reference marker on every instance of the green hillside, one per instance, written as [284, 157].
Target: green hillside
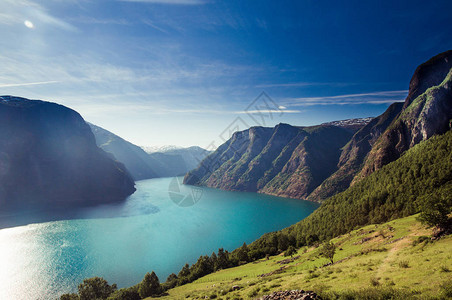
[397, 190]
[395, 259]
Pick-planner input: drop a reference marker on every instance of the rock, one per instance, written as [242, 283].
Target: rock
[292, 295]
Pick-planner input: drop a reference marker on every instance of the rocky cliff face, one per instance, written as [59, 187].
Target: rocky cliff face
[427, 111]
[353, 154]
[285, 160]
[49, 158]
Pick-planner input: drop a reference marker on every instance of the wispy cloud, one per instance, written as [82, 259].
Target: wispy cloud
[179, 2]
[304, 84]
[26, 84]
[361, 98]
[15, 12]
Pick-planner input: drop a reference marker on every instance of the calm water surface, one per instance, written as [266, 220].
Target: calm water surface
[148, 232]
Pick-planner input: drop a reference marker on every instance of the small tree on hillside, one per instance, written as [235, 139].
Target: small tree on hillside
[150, 286]
[328, 250]
[290, 251]
[222, 259]
[434, 211]
[242, 253]
[95, 288]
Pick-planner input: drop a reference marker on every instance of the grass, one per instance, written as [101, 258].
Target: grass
[394, 258]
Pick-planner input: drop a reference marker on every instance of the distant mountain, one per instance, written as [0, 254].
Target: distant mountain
[318, 162]
[142, 165]
[49, 158]
[350, 123]
[284, 160]
[192, 156]
[161, 149]
[133, 157]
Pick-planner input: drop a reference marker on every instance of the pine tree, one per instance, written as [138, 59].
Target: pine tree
[223, 259]
[150, 286]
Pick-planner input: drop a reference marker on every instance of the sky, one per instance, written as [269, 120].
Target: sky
[190, 72]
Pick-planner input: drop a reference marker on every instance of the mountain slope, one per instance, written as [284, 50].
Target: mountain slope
[395, 261]
[48, 157]
[133, 157]
[314, 166]
[143, 165]
[354, 154]
[284, 160]
[427, 111]
[396, 190]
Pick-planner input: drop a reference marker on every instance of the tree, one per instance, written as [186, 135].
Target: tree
[171, 277]
[72, 296]
[95, 288]
[150, 286]
[328, 250]
[290, 251]
[434, 211]
[125, 294]
[242, 253]
[184, 272]
[222, 259]
[214, 260]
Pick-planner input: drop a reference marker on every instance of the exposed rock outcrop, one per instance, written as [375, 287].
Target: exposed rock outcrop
[285, 160]
[427, 111]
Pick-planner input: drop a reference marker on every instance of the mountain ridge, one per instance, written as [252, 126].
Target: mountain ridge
[375, 142]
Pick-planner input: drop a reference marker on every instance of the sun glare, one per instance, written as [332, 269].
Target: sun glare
[29, 24]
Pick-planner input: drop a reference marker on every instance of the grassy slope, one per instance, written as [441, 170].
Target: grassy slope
[388, 259]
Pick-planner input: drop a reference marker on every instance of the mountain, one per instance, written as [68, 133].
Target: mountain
[161, 149]
[143, 165]
[284, 160]
[192, 156]
[49, 158]
[353, 154]
[133, 157]
[315, 163]
[427, 111]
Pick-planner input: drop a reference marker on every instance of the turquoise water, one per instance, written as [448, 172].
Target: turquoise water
[148, 232]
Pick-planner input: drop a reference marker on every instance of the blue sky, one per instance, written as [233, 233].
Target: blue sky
[184, 72]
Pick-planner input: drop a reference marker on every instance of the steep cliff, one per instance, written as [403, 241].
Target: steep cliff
[353, 154]
[427, 111]
[284, 160]
[49, 158]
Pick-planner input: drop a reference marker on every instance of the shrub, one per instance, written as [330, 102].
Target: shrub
[446, 289]
[290, 251]
[374, 281]
[125, 294]
[403, 264]
[328, 250]
[434, 211]
[444, 269]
